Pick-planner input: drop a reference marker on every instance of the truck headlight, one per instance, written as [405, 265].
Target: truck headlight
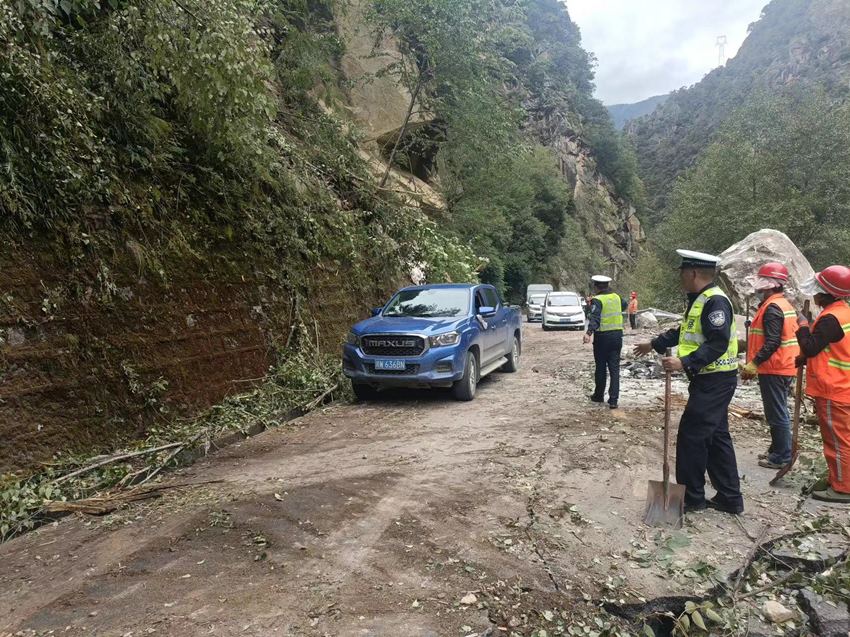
[352, 339]
[441, 340]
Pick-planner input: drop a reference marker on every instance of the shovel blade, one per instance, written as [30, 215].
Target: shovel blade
[661, 511]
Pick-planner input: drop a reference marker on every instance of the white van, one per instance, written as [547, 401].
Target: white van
[537, 288]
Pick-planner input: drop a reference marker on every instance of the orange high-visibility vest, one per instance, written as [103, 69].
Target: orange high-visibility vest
[828, 373]
[781, 363]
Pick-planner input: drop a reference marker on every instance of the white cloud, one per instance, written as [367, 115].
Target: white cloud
[648, 47]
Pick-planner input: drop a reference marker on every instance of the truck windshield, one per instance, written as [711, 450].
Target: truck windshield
[537, 299]
[563, 301]
[429, 303]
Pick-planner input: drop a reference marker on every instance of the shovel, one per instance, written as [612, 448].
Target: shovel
[798, 401]
[665, 502]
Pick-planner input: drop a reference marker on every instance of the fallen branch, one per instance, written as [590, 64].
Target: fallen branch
[767, 587]
[101, 505]
[739, 579]
[114, 459]
[318, 401]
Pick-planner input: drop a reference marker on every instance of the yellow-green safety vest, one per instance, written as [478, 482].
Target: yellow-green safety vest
[691, 336]
[612, 312]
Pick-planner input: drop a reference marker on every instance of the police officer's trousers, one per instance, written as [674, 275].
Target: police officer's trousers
[704, 442]
[607, 347]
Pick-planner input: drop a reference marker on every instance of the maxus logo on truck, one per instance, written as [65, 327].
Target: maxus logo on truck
[434, 336]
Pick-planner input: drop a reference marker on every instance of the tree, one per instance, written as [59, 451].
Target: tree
[781, 162]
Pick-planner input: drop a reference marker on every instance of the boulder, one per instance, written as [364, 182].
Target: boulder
[740, 263]
[646, 320]
[776, 612]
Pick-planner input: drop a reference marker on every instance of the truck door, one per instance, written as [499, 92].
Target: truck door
[498, 324]
[488, 333]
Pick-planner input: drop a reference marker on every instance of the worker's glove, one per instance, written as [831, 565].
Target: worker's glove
[748, 370]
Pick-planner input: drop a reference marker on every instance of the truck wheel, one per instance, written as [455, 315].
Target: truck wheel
[364, 392]
[464, 389]
[513, 358]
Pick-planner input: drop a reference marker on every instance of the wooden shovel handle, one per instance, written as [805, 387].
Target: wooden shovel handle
[798, 394]
[668, 386]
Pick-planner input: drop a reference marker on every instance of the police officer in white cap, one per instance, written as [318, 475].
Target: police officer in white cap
[605, 328]
[708, 353]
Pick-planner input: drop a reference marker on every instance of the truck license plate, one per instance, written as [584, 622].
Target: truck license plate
[390, 366]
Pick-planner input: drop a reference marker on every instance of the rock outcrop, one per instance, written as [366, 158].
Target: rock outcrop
[609, 222]
[740, 263]
[378, 104]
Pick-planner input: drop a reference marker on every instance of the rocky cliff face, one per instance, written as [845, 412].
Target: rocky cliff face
[609, 222]
[378, 104]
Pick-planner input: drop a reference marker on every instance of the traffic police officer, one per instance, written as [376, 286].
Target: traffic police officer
[708, 353]
[605, 328]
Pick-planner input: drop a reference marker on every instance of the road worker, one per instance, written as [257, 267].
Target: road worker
[708, 353]
[633, 309]
[771, 351]
[605, 329]
[826, 351]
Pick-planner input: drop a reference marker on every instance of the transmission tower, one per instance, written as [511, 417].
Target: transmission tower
[721, 50]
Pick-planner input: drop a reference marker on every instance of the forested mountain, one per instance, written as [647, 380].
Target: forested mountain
[622, 113]
[797, 44]
[194, 192]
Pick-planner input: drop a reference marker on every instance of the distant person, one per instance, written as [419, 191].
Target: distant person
[771, 351]
[633, 310]
[605, 329]
[826, 348]
[708, 354]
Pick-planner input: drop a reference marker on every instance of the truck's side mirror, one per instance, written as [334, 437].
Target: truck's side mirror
[486, 311]
[376, 311]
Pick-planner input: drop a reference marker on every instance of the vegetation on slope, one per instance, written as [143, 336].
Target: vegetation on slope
[484, 72]
[799, 43]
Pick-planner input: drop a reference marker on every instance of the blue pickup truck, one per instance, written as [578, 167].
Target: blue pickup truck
[434, 336]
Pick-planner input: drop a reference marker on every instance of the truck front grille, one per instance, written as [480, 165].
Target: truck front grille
[393, 345]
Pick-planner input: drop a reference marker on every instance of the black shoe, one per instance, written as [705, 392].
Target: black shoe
[696, 508]
[723, 507]
[612, 405]
[594, 399]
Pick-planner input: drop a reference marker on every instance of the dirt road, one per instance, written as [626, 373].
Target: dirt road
[414, 515]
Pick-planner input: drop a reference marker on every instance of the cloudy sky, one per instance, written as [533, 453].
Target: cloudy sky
[649, 47]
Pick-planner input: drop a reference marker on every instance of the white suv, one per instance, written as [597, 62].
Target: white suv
[563, 309]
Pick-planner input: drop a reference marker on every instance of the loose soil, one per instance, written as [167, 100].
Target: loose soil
[379, 519]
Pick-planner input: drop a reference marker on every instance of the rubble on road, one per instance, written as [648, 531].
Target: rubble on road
[647, 368]
[739, 265]
[827, 618]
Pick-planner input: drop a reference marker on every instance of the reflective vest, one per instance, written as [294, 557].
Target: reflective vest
[691, 336]
[781, 363]
[828, 374]
[612, 312]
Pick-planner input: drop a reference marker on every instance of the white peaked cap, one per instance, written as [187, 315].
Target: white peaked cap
[698, 259]
[600, 278]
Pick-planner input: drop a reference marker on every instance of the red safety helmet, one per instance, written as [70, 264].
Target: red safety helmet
[836, 280]
[774, 270]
